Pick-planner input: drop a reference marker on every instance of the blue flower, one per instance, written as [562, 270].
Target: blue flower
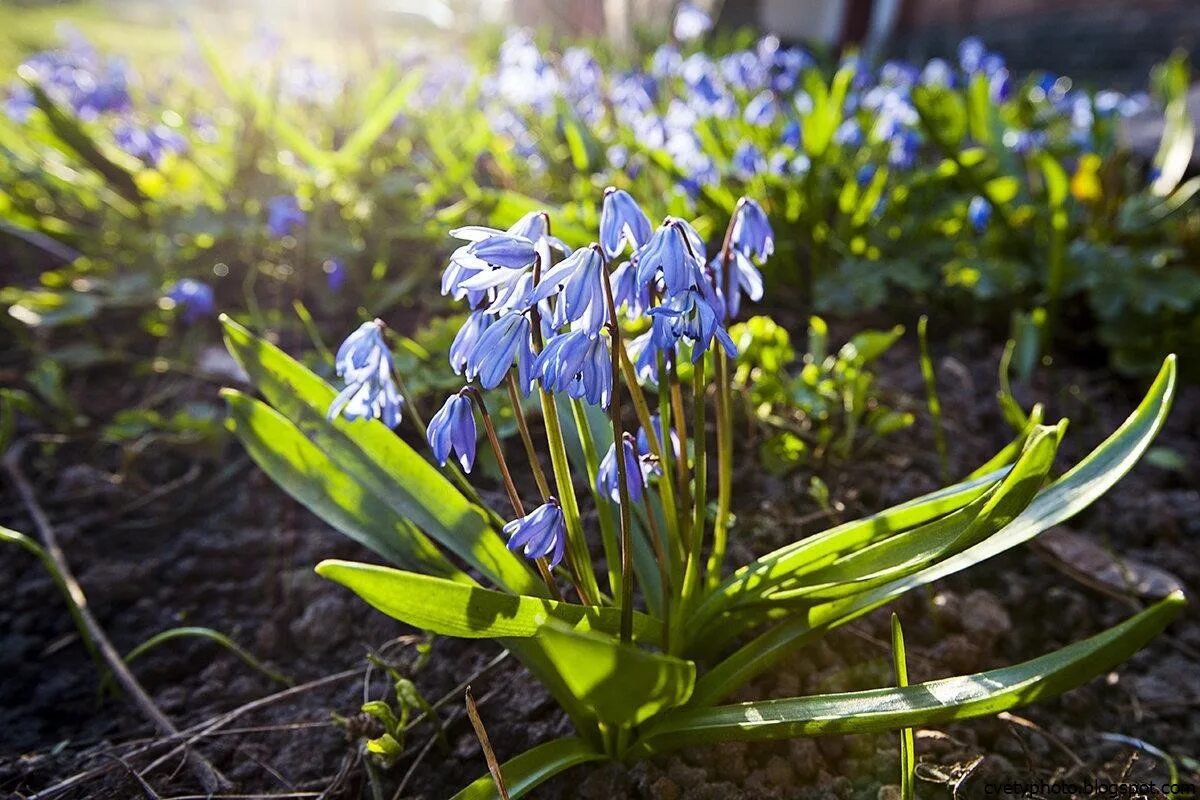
[506, 339]
[752, 234]
[690, 315]
[149, 144]
[745, 277]
[650, 465]
[761, 109]
[581, 278]
[335, 274]
[622, 222]
[792, 133]
[578, 365]
[608, 480]
[284, 216]
[677, 252]
[193, 298]
[690, 23]
[452, 429]
[748, 161]
[364, 362]
[539, 534]
[979, 213]
[970, 54]
[467, 338]
[848, 134]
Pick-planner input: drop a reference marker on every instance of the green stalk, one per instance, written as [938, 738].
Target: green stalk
[535, 462]
[691, 574]
[716, 558]
[932, 399]
[666, 488]
[608, 534]
[614, 329]
[578, 561]
[667, 458]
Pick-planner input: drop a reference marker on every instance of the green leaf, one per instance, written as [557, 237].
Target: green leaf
[908, 755]
[376, 457]
[448, 608]
[767, 574]
[621, 684]
[378, 122]
[72, 134]
[308, 474]
[929, 703]
[533, 767]
[906, 552]
[1067, 496]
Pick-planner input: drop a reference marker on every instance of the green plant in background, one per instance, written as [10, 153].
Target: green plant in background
[657, 634]
[828, 406]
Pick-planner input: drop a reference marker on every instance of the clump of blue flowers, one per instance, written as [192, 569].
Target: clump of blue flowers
[555, 321]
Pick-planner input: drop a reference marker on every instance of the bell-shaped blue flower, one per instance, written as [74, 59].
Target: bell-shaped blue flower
[650, 465]
[673, 252]
[690, 315]
[467, 338]
[541, 533]
[752, 233]
[364, 362]
[622, 222]
[452, 429]
[577, 364]
[506, 339]
[744, 278]
[979, 213]
[193, 298]
[608, 480]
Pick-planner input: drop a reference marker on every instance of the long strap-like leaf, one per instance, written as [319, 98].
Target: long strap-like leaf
[533, 767]
[377, 457]
[1066, 497]
[449, 608]
[928, 703]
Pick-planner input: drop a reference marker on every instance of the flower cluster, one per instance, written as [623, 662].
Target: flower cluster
[544, 315]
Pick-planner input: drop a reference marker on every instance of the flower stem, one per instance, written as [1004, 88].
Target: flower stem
[618, 347]
[513, 496]
[716, 558]
[579, 562]
[608, 535]
[535, 463]
[691, 574]
[681, 467]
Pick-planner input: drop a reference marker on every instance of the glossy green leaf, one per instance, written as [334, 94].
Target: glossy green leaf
[533, 767]
[306, 472]
[778, 569]
[449, 608]
[1067, 496]
[621, 684]
[922, 704]
[376, 457]
[908, 551]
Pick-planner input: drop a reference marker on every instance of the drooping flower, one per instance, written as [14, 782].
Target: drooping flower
[752, 234]
[578, 365]
[650, 465]
[505, 340]
[284, 216]
[193, 298]
[690, 315]
[452, 429]
[622, 222]
[979, 213]
[467, 338]
[676, 251]
[541, 533]
[364, 362]
[608, 480]
[744, 277]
